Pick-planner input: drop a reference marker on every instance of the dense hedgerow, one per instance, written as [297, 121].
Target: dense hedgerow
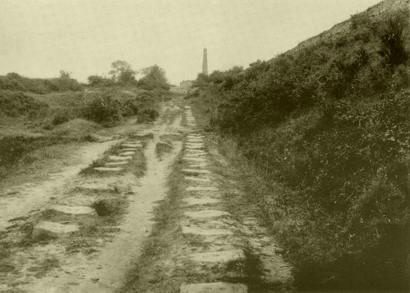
[16, 82]
[330, 124]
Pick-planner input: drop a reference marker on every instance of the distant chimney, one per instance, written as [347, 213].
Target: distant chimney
[205, 63]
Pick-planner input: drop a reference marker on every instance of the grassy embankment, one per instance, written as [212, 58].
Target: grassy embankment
[35, 113]
[323, 133]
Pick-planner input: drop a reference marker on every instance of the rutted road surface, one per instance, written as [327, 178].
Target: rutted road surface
[206, 238]
[96, 234]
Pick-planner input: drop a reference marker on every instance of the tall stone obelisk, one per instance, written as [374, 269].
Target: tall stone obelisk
[205, 62]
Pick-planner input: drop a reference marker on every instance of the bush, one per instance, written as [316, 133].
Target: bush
[98, 81]
[16, 104]
[104, 110]
[15, 82]
[391, 32]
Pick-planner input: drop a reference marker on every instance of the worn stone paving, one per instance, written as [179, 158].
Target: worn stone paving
[110, 166]
[223, 245]
[204, 218]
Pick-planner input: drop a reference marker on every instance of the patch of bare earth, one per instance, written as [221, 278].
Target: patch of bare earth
[87, 235]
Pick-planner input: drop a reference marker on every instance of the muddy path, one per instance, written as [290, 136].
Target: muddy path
[82, 229]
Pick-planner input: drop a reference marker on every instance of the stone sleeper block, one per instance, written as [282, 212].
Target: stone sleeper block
[108, 169]
[195, 159]
[73, 210]
[222, 257]
[53, 229]
[202, 188]
[196, 171]
[218, 287]
[97, 187]
[206, 231]
[206, 214]
[131, 145]
[195, 153]
[118, 163]
[126, 154]
[128, 149]
[197, 179]
[191, 165]
[119, 158]
[191, 201]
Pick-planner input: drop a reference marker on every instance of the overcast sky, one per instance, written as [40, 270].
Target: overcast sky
[40, 37]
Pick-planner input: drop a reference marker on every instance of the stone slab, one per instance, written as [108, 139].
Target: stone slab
[202, 188]
[194, 146]
[218, 257]
[119, 158]
[126, 154]
[206, 214]
[196, 179]
[194, 143]
[128, 149]
[195, 152]
[196, 171]
[191, 201]
[96, 186]
[117, 163]
[73, 210]
[128, 145]
[190, 154]
[52, 229]
[197, 164]
[218, 287]
[108, 169]
[205, 231]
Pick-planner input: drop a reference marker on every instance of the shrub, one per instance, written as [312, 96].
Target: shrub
[104, 110]
[17, 104]
[107, 207]
[98, 81]
[15, 82]
[391, 32]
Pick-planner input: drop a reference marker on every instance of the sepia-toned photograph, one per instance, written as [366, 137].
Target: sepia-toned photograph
[214, 146]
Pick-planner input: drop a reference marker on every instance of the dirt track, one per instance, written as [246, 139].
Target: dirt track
[92, 231]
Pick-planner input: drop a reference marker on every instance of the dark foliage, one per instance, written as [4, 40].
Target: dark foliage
[15, 104]
[16, 82]
[330, 124]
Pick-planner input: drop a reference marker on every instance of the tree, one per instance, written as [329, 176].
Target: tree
[154, 78]
[66, 82]
[96, 80]
[122, 72]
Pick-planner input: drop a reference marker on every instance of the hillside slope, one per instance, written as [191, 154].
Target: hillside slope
[343, 28]
[325, 127]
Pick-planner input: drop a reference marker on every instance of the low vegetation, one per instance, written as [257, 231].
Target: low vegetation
[327, 128]
[16, 82]
[40, 112]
